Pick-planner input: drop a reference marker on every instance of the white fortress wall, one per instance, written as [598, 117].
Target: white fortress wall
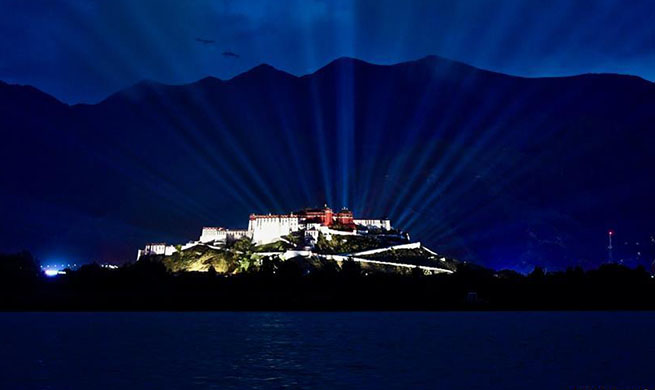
[267, 229]
[236, 234]
[211, 234]
[413, 245]
[401, 265]
[376, 223]
[156, 249]
[340, 232]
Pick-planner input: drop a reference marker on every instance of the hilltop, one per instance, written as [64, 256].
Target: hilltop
[313, 239]
[243, 256]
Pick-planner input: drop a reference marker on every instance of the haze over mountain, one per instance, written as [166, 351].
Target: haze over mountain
[500, 170]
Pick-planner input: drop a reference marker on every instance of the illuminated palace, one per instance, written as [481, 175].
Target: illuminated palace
[267, 228]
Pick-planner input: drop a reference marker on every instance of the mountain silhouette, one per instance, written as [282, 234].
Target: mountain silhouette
[500, 170]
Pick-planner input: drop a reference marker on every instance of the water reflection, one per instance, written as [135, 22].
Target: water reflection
[323, 350]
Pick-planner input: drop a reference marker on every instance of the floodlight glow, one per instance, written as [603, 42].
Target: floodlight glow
[51, 272]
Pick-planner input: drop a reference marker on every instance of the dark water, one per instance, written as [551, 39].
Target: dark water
[327, 350]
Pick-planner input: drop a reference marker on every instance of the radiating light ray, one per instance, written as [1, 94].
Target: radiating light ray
[170, 193]
[184, 142]
[416, 123]
[154, 177]
[301, 172]
[375, 118]
[370, 142]
[317, 128]
[490, 42]
[240, 191]
[476, 152]
[455, 147]
[319, 132]
[177, 122]
[468, 217]
[500, 120]
[293, 149]
[453, 153]
[488, 115]
[346, 101]
[236, 151]
[226, 136]
[423, 187]
[345, 130]
[577, 36]
[503, 117]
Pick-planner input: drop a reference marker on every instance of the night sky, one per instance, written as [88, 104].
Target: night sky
[83, 50]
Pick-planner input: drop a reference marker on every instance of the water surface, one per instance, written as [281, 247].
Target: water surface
[494, 350]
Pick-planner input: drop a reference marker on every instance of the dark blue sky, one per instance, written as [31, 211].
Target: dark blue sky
[83, 50]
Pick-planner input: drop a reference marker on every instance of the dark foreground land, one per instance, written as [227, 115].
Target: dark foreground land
[147, 285]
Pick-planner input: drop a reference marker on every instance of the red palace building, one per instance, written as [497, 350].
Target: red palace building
[326, 217]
